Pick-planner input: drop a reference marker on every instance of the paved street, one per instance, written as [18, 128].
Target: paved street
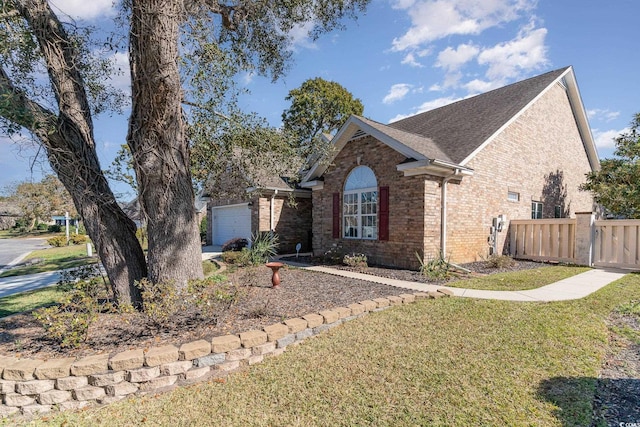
[11, 250]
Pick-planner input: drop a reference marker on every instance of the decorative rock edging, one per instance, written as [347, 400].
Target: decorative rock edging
[30, 386]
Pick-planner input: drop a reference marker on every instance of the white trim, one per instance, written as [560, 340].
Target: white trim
[313, 185]
[433, 167]
[351, 126]
[579, 113]
[230, 206]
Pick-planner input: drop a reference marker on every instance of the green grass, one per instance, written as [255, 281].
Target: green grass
[27, 301]
[445, 362]
[13, 234]
[520, 280]
[53, 259]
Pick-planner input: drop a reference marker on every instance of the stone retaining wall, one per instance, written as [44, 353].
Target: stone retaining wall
[29, 386]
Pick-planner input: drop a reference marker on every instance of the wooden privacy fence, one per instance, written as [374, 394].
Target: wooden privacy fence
[543, 239]
[617, 242]
[581, 240]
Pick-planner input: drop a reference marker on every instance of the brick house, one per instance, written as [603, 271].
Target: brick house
[438, 182]
[270, 205]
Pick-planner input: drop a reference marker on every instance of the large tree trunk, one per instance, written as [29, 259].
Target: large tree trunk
[158, 144]
[68, 139]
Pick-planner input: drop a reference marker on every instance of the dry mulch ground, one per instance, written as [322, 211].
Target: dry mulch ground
[617, 400]
[302, 292]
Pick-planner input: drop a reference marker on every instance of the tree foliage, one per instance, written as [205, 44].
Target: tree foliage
[318, 106]
[171, 44]
[616, 186]
[38, 201]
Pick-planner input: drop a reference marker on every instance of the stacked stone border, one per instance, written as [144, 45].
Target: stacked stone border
[30, 386]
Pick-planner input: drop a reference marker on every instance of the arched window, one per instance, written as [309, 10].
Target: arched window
[360, 205]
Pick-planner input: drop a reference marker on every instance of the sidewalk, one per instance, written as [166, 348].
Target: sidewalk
[29, 282]
[575, 287]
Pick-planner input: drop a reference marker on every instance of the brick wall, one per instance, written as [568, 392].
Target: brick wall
[407, 213]
[540, 156]
[292, 221]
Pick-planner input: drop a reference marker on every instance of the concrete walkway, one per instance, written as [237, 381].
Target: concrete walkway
[17, 284]
[575, 287]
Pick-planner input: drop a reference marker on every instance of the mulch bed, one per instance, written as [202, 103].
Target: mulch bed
[302, 292]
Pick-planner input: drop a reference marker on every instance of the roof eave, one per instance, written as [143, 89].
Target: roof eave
[344, 135]
[433, 167]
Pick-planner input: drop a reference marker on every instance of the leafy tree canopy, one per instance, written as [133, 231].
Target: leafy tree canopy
[38, 201]
[318, 106]
[616, 186]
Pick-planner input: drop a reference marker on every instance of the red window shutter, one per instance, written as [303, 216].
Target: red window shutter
[383, 215]
[336, 215]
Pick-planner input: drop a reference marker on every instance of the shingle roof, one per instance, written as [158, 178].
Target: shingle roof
[457, 129]
[419, 143]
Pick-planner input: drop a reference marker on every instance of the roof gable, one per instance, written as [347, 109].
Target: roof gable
[456, 132]
[461, 127]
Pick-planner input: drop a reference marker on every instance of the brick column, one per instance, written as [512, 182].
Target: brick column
[584, 237]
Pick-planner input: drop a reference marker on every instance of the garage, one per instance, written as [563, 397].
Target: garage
[230, 222]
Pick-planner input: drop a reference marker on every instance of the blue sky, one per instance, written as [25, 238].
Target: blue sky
[403, 57]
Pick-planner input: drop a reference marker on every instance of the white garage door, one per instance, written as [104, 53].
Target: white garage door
[230, 222]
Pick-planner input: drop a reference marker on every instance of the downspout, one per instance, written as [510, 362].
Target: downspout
[272, 219]
[443, 212]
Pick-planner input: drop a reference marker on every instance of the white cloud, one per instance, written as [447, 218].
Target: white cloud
[396, 93]
[429, 105]
[410, 59]
[480, 86]
[605, 139]
[507, 60]
[121, 77]
[435, 19]
[299, 35]
[603, 115]
[84, 9]
[452, 59]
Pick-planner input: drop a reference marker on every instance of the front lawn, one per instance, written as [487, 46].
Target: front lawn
[453, 361]
[52, 259]
[27, 301]
[519, 280]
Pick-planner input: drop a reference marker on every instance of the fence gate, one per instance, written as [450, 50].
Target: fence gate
[617, 243]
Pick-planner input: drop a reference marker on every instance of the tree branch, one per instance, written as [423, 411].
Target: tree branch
[16, 107]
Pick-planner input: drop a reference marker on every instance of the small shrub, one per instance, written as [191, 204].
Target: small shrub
[42, 226]
[500, 261]
[355, 260]
[235, 244]
[436, 268]
[78, 239]
[55, 228]
[212, 296]
[57, 241]
[203, 229]
[264, 245]
[236, 258]
[160, 301]
[68, 322]
[209, 267]
[335, 256]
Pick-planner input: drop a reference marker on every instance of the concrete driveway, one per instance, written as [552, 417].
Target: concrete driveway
[13, 250]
